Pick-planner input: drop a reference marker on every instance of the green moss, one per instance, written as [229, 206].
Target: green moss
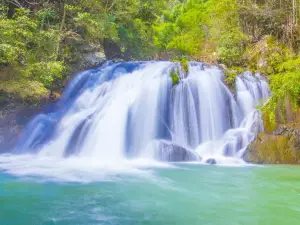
[269, 122]
[184, 62]
[24, 90]
[175, 78]
[231, 74]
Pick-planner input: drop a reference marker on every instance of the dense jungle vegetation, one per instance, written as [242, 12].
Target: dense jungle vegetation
[41, 40]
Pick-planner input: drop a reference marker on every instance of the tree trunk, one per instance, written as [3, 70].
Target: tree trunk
[11, 10]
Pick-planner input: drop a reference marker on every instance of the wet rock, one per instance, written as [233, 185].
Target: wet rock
[89, 56]
[170, 152]
[211, 161]
[222, 67]
[92, 60]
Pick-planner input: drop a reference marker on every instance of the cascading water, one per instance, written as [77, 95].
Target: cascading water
[133, 110]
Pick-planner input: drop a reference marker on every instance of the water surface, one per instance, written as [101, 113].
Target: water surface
[183, 195]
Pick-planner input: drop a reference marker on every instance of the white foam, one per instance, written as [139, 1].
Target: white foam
[77, 169]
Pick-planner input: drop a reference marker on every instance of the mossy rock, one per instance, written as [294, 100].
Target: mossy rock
[269, 124]
[184, 62]
[175, 78]
[230, 76]
[273, 149]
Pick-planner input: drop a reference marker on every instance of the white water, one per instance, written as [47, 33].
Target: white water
[120, 112]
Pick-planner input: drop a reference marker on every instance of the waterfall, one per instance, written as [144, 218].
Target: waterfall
[132, 110]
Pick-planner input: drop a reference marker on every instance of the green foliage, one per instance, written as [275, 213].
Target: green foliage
[42, 41]
[96, 26]
[230, 47]
[137, 38]
[184, 63]
[3, 11]
[47, 18]
[267, 54]
[28, 49]
[16, 36]
[283, 67]
[163, 34]
[202, 29]
[182, 30]
[289, 65]
[44, 72]
[284, 84]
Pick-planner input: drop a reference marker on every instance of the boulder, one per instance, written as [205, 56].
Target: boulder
[211, 161]
[170, 152]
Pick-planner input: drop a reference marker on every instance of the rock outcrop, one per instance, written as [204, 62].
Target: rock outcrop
[275, 149]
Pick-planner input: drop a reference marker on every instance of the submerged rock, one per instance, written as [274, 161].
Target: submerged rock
[211, 161]
[170, 152]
